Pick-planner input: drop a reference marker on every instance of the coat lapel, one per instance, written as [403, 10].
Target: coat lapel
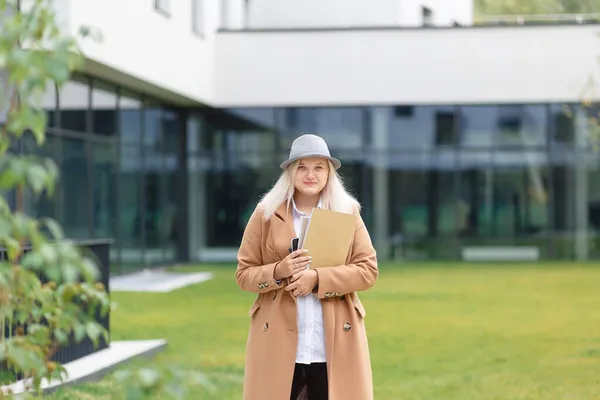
[284, 232]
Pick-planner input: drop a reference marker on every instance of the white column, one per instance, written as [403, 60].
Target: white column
[196, 192]
[379, 158]
[580, 194]
[233, 14]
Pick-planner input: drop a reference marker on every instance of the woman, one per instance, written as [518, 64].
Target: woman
[307, 336]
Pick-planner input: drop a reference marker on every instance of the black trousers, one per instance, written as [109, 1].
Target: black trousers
[314, 378]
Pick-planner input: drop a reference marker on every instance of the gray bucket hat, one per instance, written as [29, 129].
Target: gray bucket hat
[307, 146]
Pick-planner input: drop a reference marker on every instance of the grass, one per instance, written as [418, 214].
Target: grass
[436, 331]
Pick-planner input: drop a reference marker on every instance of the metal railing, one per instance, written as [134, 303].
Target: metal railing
[538, 19]
[99, 250]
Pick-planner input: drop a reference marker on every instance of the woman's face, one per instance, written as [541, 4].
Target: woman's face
[311, 176]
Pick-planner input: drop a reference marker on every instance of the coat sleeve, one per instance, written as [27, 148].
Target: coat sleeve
[251, 274]
[361, 272]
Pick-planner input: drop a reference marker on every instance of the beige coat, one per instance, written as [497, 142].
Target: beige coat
[272, 339]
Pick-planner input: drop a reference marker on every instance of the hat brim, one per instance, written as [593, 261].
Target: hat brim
[334, 161]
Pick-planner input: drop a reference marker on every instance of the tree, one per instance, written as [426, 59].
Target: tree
[40, 316]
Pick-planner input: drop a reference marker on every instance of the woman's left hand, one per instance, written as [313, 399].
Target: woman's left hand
[303, 282]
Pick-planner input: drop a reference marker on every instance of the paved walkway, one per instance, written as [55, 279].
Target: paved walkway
[156, 280]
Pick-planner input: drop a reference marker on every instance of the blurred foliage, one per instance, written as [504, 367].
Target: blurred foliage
[510, 7]
[49, 291]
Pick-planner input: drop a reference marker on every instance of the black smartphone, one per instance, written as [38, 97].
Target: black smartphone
[294, 244]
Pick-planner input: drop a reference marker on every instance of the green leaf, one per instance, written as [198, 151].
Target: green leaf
[38, 126]
[9, 179]
[5, 225]
[89, 270]
[94, 330]
[36, 175]
[79, 331]
[13, 248]
[61, 336]
[48, 253]
[69, 272]
[4, 207]
[54, 228]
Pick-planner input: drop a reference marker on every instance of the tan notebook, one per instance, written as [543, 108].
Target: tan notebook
[328, 237]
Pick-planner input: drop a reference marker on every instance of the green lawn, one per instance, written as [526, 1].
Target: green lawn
[436, 331]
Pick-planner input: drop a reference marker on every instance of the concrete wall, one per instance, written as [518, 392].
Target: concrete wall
[406, 66]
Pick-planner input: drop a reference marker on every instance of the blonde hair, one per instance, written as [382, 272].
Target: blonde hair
[334, 195]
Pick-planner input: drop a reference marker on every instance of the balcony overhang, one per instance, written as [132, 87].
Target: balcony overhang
[358, 66]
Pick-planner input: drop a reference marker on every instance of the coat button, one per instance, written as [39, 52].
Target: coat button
[266, 326]
[347, 326]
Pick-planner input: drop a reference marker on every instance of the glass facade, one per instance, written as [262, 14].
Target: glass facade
[178, 184]
[432, 179]
[118, 156]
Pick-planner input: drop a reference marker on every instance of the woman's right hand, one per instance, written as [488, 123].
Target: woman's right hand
[291, 264]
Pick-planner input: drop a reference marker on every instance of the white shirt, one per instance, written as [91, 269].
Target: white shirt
[311, 335]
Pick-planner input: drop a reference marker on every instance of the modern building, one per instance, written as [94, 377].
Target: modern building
[452, 133]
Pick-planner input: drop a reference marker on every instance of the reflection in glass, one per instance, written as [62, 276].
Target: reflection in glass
[233, 194]
[130, 180]
[74, 106]
[421, 127]
[75, 189]
[170, 185]
[104, 187]
[520, 201]
[593, 203]
[422, 206]
[104, 110]
[49, 104]
[506, 125]
[153, 199]
[43, 205]
[130, 114]
[341, 127]
[475, 194]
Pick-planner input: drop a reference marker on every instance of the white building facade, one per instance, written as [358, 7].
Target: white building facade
[452, 135]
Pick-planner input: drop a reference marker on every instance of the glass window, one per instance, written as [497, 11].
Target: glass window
[507, 125]
[43, 205]
[421, 205]
[233, 191]
[198, 17]
[520, 197]
[130, 231]
[562, 124]
[75, 188]
[593, 204]
[104, 109]
[474, 205]
[164, 6]
[49, 104]
[422, 127]
[74, 106]
[240, 169]
[104, 187]
[152, 135]
[171, 189]
[131, 213]
[130, 115]
[153, 199]
[341, 127]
